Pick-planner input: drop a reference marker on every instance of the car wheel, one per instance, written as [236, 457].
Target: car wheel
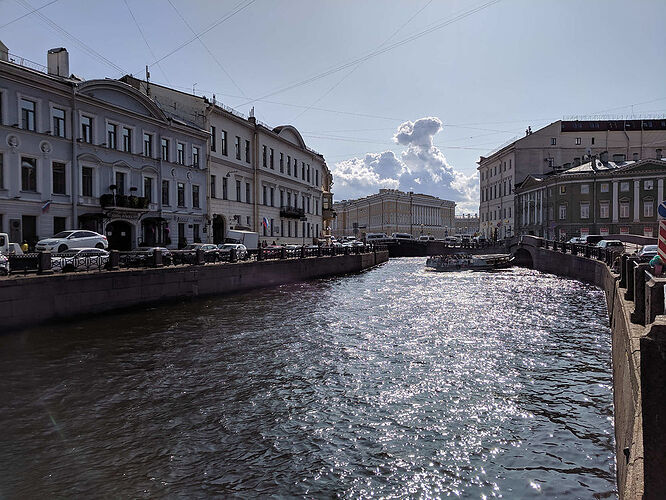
[62, 248]
[99, 245]
[3, 272]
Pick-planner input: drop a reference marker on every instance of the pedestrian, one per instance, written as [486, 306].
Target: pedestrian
[24, 246]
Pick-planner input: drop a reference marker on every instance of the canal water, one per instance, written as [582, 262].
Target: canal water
[394, 382]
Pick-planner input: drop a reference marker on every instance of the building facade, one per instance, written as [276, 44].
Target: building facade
[467, 224]
[598, 197]
[261, 178]
[95, 155]
[554, 148]
[394, 211]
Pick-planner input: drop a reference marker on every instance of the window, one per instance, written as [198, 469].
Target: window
[247, 151]
[86, 129]
[212, 186]
[584, 210]
[592, 141]
[265, 198]
[271, 159]
[584, 189]
[578, 141]
[238, 191]
[212, 139]
[180, 152]
[59, 224]
[648, 209]
[563, 212]
[165, 149]
[648, 185]
[238, 148]
[225, 187]
[295, 168]
[111, 136]
[147, 145]
[624, 209]
[316, 177]
[195, 196]
[308, 173]
[86, 181]
[28, 174]
[272, 197]
[2, 175]
[303, 170]
[624, 186]
[288, 165]
[59, 122]
[27, 115]
[248, 199]
[264, 154]
[563, 189]
[196, 237]
[181, 194]
[127, 140]
[120, 182]
[165, 193]
[282, 163]
[604, 209]
[148, 189]
[551, 162]
[604, 187]
[281, 198]
[224, 143]
[59, 178]
[272, 226]
[553, 141]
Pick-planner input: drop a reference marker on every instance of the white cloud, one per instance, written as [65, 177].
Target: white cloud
[421, 167]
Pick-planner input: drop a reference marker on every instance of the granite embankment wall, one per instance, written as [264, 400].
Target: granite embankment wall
[639, 362]
[36, 299]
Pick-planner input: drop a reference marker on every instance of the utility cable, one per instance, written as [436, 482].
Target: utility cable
[28, 13]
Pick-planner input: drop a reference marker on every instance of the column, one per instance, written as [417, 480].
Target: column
[660, 191]
[637, 193]
[616, 206]
[540, 206]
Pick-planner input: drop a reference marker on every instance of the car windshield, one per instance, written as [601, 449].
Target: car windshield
[649, 248]
[63, 234]
[191, 246]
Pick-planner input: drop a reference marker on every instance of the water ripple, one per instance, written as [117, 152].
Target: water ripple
[391, 383]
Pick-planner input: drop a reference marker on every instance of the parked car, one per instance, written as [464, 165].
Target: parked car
[451, 240]
[577, 240]
[615, 246]
[647, 252]
[225, 251]
[591, 239]
[80, 259]
[4, 265]
[148, 252]
[402, 236]
[428, 237]
[353, 243]
[66, 240]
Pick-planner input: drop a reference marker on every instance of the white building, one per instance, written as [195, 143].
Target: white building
[261, 178]
[394, 211]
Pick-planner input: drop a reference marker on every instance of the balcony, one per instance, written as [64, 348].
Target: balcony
[291, 212]
[328, 213]
[124, 201]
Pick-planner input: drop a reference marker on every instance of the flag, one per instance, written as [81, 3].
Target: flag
[265, 222]
[46, 206]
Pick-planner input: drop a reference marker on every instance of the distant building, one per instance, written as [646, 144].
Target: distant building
[394, 211]
[467, 224]
[557, 147]
[95, 155]
[598, 197]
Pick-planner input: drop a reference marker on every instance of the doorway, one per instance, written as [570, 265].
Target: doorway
[119, 234]
[218, 229]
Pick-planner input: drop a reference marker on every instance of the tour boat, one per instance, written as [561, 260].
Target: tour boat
[461, 262]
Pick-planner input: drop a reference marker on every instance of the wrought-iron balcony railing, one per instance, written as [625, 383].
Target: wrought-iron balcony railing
[124, 201]
[291, 212]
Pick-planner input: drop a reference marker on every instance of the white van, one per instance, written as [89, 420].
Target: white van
[248, 238]
[374, 237]
[402, 236]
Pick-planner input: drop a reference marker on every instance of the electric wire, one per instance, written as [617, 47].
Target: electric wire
[28, 13]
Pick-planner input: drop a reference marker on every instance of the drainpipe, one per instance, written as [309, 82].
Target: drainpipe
[209, 215]
[75, 162]
[255, 173]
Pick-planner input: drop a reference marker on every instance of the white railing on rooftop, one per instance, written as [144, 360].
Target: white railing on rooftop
[27, 63]
[502, 146]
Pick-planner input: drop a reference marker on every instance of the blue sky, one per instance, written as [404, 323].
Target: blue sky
[483, 70]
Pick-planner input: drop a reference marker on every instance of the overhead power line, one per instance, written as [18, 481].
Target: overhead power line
[377, 52]
[27, 14]
[83, 46]
[219, 64]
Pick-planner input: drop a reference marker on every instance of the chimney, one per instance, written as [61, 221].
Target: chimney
[658, 154]
[4, 52]
[58, 62]
[604, 157]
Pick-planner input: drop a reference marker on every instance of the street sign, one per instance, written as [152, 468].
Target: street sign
[662, 210]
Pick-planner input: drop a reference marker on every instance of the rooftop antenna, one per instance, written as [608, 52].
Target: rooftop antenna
[252, 112]
[147, 81]
[193, 88]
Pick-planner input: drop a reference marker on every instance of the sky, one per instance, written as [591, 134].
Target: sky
[397, 94]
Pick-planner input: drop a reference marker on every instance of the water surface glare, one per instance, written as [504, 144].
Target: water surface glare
[394, 382]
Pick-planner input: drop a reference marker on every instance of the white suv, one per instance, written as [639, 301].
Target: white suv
[65, 240]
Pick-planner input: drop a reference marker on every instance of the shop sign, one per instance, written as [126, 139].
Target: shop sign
[584, 231]
[624, 230]
[603, 231]
[647, 231]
